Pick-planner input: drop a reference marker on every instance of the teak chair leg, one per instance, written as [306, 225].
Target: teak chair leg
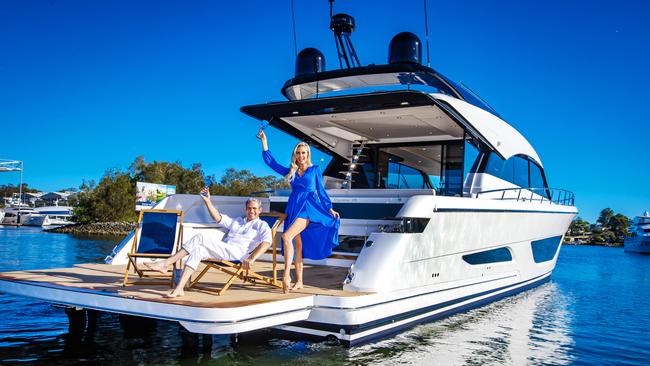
[236, 275]
[126, 273]
[198, 278]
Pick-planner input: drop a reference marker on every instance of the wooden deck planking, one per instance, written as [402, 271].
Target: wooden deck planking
[320, 280]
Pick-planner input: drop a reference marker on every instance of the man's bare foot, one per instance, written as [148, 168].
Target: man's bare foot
[286, 284]
[174, 294]
[297, 286]
[158, 266]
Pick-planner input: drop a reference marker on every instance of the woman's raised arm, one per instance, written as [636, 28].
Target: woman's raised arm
[262, 136]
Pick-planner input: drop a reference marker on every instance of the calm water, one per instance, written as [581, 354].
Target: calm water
[594, 311]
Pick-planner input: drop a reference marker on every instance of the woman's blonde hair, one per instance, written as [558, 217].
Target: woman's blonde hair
[293, 165]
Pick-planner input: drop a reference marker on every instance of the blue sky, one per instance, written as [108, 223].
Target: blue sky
[89, 85]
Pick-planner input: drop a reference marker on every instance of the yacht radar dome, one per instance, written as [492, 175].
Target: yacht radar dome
[405, 47]
[310, 61]
[342, 23]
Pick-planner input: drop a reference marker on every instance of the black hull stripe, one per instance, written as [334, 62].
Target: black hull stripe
[418, 295]
[358, 328]
[444, 314]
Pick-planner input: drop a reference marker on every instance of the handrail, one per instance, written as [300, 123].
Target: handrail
[551, 195]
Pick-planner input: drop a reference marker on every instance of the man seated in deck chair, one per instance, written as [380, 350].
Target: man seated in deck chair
[245, 235]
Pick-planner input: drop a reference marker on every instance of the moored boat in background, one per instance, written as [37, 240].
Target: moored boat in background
[639, 239]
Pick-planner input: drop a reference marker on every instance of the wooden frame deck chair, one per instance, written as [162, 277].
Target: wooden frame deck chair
[235, 269]
[158, 235]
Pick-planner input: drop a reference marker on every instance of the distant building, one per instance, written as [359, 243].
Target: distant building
[54, 199]
[30, 198]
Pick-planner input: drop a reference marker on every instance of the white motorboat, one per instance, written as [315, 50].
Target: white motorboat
[444, 207]
[639, 239]
[17, 214]
[50, 216]
[34, 219]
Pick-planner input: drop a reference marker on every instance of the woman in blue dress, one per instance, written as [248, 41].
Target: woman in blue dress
[312, 226]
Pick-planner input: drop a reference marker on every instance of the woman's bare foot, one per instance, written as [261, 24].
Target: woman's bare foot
[158, 266]
[297, 286]
[286, 284]
[174, 294]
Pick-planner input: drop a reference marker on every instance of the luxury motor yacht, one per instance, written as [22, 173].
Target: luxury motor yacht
[639, 240]
[17, 214]
[50, 216]
[444, 207]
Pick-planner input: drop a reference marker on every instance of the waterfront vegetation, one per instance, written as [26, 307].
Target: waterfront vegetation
[113, 198]
[609, 229]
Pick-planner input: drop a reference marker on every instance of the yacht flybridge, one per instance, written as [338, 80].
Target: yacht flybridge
[444, 207]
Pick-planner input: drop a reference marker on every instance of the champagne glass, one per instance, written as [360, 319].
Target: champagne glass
[263, 126]
[208, 182]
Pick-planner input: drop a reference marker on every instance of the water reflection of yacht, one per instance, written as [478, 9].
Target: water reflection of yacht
[445, 207]
[639, 239]
[530, 328]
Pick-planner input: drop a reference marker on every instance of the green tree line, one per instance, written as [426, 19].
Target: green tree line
[113, 198]
[609, 228]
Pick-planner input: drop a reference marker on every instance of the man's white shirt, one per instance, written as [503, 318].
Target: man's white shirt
[247, 235]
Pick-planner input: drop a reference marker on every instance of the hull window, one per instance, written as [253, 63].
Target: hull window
[489, 256]
[545, 249]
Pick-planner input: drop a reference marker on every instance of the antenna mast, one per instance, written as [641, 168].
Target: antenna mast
[293, 20]
[343, 25]
[426, 29]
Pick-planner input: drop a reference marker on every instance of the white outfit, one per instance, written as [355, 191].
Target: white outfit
[242, 238]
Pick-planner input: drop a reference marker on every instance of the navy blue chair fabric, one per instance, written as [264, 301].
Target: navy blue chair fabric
[269, 220]
[158, 233]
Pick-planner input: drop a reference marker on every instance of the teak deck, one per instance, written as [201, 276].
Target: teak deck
[320, 280]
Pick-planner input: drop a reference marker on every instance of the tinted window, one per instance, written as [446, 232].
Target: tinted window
[471, 160]
[521, 171]
[494, 165]
[508, 173]
[402, 176]
[517, 170]
[536, 179]
[489, 256]
[545, 249]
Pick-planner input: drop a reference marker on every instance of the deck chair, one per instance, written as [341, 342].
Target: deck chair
[235, 270]
[158, 235]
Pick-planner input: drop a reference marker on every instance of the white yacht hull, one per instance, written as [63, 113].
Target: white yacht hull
[426, 276]
[35, 220]
[637, 245]
[402, 279]
[639, 242]
[388, 315]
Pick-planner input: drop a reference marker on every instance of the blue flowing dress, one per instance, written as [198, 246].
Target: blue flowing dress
[309, 200]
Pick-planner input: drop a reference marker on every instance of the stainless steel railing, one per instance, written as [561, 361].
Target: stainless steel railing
[541, 195]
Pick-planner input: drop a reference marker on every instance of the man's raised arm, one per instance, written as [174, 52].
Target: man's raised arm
[205, 194]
